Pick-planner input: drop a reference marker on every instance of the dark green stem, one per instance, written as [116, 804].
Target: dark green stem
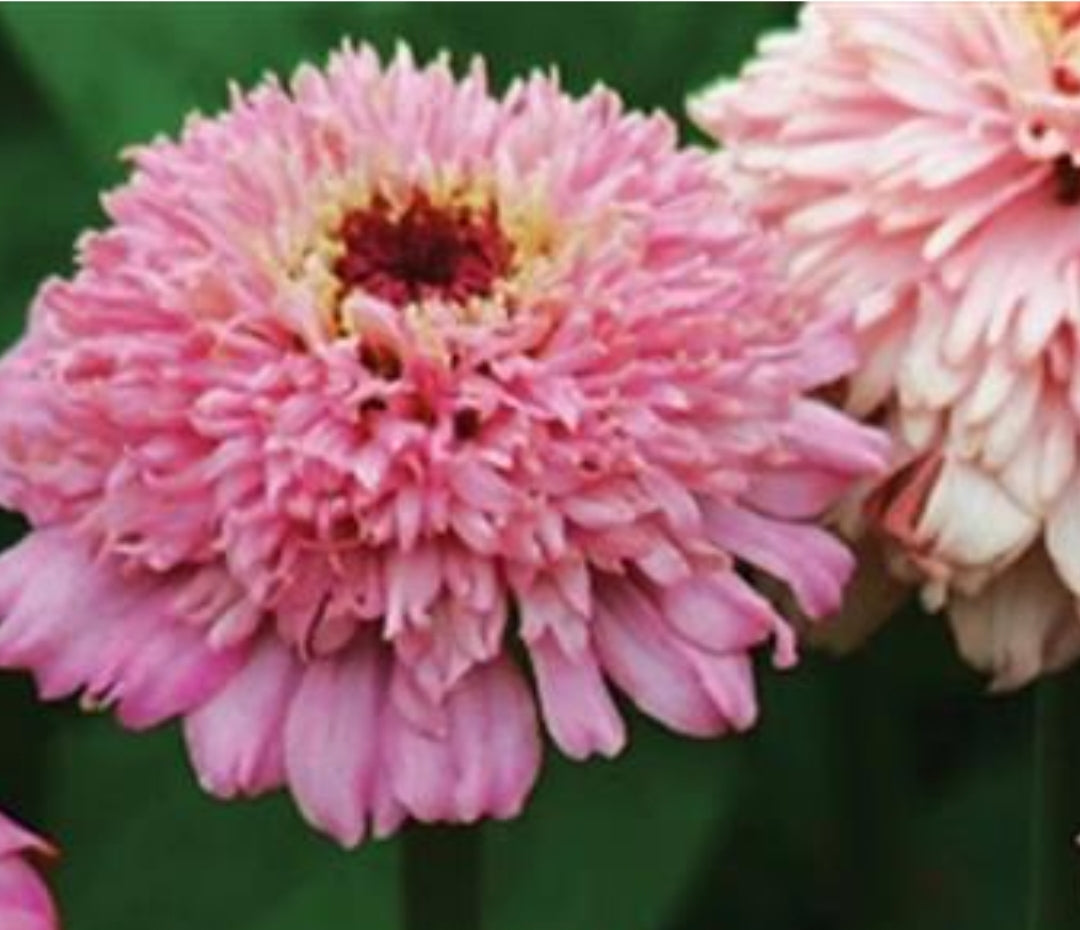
[1055, 820]
[443, 872]
[872, 795]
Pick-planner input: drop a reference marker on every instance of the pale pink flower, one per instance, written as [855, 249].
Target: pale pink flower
[378, 385]
[25, 902]
[923, 162]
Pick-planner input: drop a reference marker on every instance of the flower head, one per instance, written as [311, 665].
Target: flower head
[25, 903]
[924, 166]
[379, 389]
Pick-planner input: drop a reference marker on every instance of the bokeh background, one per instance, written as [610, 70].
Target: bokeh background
[882, 792]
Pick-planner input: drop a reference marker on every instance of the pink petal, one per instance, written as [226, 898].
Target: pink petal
[333, 741]
[729, 682]
[641, 655]
[720, 613]
[480, 759]
[131, 652]
[25, 902]
[798, 493]
[17, 839]
[236, 739]
[806, 557]
[826, 437]
[577, 706]
[1021, 625]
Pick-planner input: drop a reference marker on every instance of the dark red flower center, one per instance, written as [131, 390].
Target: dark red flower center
[1066, 181]
[422, 251]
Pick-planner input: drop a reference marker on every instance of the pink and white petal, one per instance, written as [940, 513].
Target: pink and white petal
[577, 706]
[236, 740]
[1020, 625]
[970, 519]
[1063, 537]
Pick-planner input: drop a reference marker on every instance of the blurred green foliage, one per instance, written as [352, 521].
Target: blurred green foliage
[884, 792]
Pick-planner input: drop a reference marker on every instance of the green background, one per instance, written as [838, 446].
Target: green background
[885, 791]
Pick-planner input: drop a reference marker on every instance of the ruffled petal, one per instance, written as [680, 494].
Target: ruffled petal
[334, 742]
[477, 754]
[970, 519]
[721, 613]
[807, 558]
[1019, 626]
[236, 739]
[642, 655]
[1063, 537]
[577, 706]
[80, 623]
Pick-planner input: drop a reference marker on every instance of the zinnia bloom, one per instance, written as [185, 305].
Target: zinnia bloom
[923, 163]
[25, 903]
[381, 394]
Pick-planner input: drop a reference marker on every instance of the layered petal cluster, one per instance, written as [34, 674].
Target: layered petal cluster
[924, 163]
[390, 416]
[25, 902]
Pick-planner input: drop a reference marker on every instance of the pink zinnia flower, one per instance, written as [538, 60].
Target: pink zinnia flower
[25, 903]
[923, 163]
[379, 382]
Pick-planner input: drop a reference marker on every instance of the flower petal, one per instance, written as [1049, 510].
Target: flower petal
[334, 741]
[577, 706]
[1019, 626]
[641, 655]
[236, 739]
[814, 564]
[25, 902]
[132, 652]
[479, 757]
